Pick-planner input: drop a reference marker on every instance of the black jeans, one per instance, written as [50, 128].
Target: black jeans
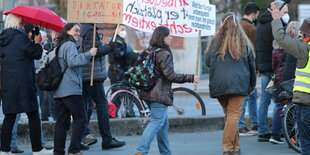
[98, 96]
[67, 106]
[34, 126]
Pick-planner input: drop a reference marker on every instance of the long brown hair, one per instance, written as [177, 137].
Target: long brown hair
[230, 38]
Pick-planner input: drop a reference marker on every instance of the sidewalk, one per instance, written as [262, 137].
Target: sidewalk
[197, 143]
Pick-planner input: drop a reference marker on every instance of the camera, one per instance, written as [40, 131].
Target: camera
[35, 31]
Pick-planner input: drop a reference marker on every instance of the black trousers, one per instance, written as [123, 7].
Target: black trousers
[67, 106]
[34, 126]
[97, 94]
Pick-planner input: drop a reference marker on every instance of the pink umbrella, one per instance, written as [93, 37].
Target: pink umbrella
[39, 16]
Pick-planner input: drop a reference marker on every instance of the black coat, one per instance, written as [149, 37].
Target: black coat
[18, 72]
[230, 76]
[264, 39]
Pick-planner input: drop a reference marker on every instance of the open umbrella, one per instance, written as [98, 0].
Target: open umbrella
[39, 16]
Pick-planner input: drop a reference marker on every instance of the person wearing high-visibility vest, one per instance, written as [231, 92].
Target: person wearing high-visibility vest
[300, 50]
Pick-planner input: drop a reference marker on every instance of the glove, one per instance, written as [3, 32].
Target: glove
[113, 45]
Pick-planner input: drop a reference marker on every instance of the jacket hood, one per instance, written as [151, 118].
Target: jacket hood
[266, 17]
[7, 36]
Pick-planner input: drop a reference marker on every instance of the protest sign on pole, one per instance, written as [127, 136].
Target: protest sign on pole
[95, 11]
[182, 17]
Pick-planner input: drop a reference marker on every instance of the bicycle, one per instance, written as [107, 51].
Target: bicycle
[125, 97]
[289, 125]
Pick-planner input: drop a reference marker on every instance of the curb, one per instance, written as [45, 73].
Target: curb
[135, 126]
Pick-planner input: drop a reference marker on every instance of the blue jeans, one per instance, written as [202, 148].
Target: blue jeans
[251, 102]
[277, 120]
[303, 123]
[158, 126]
[264, 104]
[97, 94]
[14, 131]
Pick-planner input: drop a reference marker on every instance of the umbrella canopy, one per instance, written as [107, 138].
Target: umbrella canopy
[39, 16]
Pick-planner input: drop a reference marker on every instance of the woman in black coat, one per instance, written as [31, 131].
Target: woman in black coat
[18, 81]
[232, 74]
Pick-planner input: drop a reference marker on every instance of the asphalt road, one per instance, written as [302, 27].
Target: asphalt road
[206, 143]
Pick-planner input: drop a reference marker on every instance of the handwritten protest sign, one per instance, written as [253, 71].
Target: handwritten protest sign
[182, 17]
[95, 11]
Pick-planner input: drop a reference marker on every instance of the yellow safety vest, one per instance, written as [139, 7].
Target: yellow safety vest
[302, 79]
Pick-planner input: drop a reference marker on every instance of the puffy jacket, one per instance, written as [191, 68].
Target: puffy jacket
[230, 76]
[162, 91]
[69, 58]
[264, 39]
[100, 73]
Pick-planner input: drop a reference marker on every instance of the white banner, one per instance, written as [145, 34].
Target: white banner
[182, 17]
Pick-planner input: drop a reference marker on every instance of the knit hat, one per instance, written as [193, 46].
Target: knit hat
[28, 27]
[305, 27]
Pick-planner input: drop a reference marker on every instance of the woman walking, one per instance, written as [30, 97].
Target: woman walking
[230, 58]
[68, 95]
[160, 96]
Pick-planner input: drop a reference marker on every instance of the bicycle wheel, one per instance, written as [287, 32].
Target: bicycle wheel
[128, 105]
[115, 87]
[290, 127]
[187, 100]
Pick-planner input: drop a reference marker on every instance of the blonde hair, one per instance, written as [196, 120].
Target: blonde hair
[12, 21]
[293, 29]
[230, 38]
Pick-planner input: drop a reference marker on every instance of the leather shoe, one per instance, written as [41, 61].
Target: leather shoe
[16, 150]
[84, 147]
[114, 143]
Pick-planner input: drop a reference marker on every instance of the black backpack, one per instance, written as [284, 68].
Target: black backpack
[50, 75]
[144, 74]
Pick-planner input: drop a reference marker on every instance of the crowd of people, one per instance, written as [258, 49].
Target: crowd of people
[270, 48]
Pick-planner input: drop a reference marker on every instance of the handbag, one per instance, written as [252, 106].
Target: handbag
[276, 89]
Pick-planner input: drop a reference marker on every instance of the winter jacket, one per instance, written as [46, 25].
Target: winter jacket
[296, 48]
[71, 61]
[117, 60]
[162, 92]
[289, 67]
[230, 76]
[278, 59]
[250, 31]
[18, 72]
[264, 39]
[100, 73]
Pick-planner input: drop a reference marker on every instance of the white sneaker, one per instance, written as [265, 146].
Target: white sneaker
[6, 153]
[44, 152]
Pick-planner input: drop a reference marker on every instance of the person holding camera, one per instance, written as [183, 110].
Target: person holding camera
[18, 82]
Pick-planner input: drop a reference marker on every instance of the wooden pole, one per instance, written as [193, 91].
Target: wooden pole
[115, 33]
[93, 58]
[198, 57]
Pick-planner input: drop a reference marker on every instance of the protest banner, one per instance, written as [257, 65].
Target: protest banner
[182, 17]
[95, 11]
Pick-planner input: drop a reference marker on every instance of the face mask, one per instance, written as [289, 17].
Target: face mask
[122, 34]
[286, 18]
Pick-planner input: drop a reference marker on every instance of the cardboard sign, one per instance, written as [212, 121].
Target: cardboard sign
[183, 17]
[95, 11]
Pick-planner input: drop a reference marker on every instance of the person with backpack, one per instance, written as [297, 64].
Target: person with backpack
[68, 95]
[232, 53]
[18, 53]
[160, 95]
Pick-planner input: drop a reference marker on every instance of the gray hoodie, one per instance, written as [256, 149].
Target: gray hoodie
[71, 84]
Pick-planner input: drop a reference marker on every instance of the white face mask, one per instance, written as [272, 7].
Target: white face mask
[286, 18]
[122, 34]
